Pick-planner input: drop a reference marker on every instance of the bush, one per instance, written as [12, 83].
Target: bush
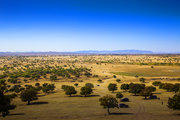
[142, 80]
[37, 84]
[114, 76]
[76, 84]
[118, 80]
[99, 81]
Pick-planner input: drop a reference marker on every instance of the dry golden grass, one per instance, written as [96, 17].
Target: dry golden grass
[58, 106]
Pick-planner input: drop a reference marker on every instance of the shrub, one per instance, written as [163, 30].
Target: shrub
[142, 80]
[76, 84]
[118, 80]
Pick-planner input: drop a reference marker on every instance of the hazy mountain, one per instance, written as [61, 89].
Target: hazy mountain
[116, 52]
[75, 53]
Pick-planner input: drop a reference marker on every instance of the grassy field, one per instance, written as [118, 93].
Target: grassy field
[58, 106]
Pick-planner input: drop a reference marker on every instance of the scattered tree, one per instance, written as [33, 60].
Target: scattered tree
[108, 102]
[99, 80]
[136, 88]
[119, 95]
[89, 85]
[156, 83]
[70, 90]
[29, 95]
[125, 87]
[76, 84]
[86, 90]
[112, 87]
[174, 102]
[142, 80]
[118, 80]
[5, 100]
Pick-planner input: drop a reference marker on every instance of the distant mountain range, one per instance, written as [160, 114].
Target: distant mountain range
[87, 52]
[116, 52]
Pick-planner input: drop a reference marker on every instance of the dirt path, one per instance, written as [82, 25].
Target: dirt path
[140, 112]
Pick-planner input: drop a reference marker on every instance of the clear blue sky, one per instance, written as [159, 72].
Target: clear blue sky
[72, 25]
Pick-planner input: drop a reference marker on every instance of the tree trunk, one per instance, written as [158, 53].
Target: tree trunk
[146, 97]
[108, 111]
[28, 102]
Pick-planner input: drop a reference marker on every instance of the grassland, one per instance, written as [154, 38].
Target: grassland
[58, 106]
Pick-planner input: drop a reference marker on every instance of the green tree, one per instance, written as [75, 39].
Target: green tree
[156, 83]
[136, 88]
[119, 95]
[76, 84]
[53, 77]
[114, 76]
[5, 100]
[125, 87]
[48, 87]
[28, 95]
[112, 87]
[108, 102]
[89, 85]
[100, 81]
[64, 87]
[86, 90]
[142, 80]
[70, 90]
[118, 80]
[174, 102]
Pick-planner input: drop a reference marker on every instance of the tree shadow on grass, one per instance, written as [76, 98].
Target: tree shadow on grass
[157, 93]
[177, 114]
[12, 114]
[41, 95]
[39, 103]
[121, 114]
[86, 96]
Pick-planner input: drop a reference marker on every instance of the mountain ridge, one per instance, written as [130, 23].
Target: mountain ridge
[83, 52]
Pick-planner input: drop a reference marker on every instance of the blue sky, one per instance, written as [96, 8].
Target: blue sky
[72, 25]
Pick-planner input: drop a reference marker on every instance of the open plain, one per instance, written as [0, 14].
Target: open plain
[107, 68]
